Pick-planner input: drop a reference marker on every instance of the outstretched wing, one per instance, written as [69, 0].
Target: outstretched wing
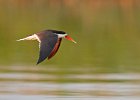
[55, 49]
[47, 44]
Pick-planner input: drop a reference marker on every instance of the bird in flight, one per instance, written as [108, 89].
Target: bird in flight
[49, 42]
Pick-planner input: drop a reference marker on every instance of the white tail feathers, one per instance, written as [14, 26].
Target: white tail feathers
[32, 37]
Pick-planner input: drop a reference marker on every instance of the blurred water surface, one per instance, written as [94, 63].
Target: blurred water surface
[51, 83]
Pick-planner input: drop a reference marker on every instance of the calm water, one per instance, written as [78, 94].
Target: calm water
[52, 83]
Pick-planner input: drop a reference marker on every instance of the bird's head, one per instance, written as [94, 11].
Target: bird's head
[62, 34]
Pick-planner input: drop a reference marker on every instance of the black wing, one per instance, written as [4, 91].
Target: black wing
[47, 44]
[55, 49]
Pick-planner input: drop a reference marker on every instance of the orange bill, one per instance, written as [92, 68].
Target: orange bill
[69, 38]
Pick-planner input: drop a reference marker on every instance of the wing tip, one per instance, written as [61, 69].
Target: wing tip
[19, 40]
[38, 62]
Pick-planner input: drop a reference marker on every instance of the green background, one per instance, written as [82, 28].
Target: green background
[107, 33]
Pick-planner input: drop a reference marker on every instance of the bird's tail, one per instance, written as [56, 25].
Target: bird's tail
[32, 37]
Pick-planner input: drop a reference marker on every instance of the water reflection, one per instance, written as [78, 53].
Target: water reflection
[70, 89]
[48, 82]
